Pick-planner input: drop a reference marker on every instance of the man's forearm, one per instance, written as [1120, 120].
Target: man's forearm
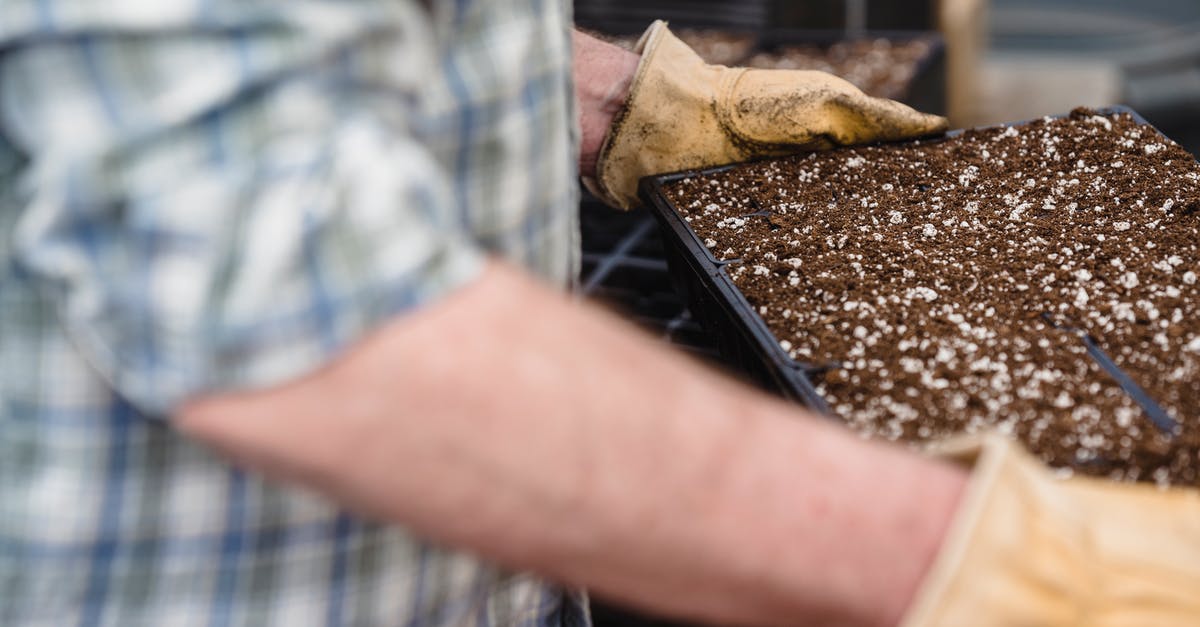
[546, 435]
[603, 74]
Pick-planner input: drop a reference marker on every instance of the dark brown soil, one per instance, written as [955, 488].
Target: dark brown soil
[879, 67]
[928, 274]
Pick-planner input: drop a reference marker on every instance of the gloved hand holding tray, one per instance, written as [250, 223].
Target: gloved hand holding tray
[901, 65]
[1036, 279]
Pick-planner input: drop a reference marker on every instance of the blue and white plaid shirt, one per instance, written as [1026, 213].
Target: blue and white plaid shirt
[205, 195]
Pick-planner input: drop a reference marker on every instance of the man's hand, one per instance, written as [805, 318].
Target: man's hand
[683, 113]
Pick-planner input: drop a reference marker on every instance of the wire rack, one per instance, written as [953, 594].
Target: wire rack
[625, 268]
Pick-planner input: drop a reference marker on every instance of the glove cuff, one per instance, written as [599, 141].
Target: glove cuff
[1013, 555]
[669, 121]
[1029, 549]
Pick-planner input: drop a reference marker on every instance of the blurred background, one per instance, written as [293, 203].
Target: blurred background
[1005, 60]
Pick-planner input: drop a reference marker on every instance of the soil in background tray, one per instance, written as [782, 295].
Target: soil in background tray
[713, 46]
[879, 67]
[939, 281]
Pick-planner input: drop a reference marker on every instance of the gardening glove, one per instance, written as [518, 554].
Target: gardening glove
[1029, 549]
[682, 113]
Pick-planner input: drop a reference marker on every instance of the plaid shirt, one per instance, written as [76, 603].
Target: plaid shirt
[205, 195]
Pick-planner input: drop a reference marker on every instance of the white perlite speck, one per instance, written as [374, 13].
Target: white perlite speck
[1194, 345]
[1129, 280]
[1063, 400]
[1189, 277]
[924, 293]
[969, 175]
[929, 230]
[895, 217]
[1121, 226]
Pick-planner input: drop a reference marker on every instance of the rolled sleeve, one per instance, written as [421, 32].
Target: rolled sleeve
[245, 242]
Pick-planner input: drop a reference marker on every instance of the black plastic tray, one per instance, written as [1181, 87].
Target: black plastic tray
[742, 335]
[925, 92]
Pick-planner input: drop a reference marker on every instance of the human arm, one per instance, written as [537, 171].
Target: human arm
[567, 444]
[603, 73]
[239, 236]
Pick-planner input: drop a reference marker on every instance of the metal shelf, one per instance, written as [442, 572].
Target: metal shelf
[624, 267]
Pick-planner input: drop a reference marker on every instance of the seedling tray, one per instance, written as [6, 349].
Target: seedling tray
[745, 340]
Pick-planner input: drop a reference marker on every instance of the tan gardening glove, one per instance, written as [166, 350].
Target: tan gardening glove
[1028, 549]
[682, 113]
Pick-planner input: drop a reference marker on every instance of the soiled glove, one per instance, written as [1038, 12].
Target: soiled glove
[1028, 549]
[682, 113]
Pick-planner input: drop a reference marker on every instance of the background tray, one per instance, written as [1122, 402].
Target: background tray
[926, 91]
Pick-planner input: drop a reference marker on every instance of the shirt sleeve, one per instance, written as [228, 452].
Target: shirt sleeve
[219, 208]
